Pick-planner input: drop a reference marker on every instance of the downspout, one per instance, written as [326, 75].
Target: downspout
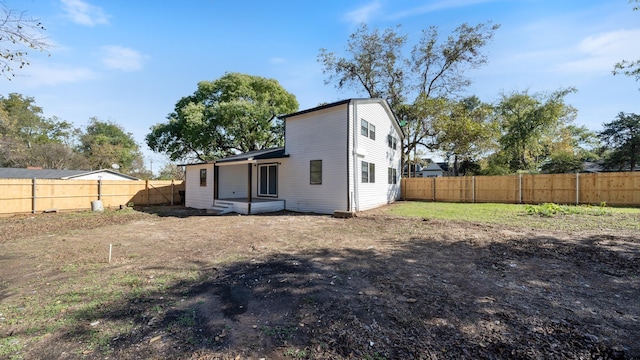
[249, 181]
[356, 199]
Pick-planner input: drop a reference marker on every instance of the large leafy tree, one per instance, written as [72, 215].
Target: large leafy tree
[18, 34]
[416, 82]
[237, 112]
[105, 143]
[467, 132]
[530, 125]
[622, 136]
[29, 139]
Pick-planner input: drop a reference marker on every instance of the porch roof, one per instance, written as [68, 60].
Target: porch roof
[272, 153]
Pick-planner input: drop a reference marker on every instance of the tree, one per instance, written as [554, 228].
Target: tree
[629, 67]
[105, 143]
[236, 113]
[622, 136]
[171, 171]
[28, 139]
[416, 86]
[466, 133]
[18, 32]
[529, 124]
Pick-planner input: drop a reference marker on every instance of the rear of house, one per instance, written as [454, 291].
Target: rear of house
[342, 156]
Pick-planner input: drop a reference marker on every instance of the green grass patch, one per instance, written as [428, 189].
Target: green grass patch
[516, 215]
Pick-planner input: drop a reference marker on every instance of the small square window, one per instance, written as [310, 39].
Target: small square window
[203, 177]
[315, 172]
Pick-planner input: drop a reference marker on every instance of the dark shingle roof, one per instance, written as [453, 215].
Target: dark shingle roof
[20, 173]
[272, 153]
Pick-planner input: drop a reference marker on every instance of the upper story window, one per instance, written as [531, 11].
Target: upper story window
[392, 142]
[203, 177]
[367, 129]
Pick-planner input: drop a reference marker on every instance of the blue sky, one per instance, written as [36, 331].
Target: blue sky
[130, 61]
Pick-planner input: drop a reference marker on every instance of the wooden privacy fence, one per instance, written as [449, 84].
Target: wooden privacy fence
[612, 188]
[36, 195]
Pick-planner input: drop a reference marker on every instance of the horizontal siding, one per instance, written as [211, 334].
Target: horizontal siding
[232, 181]
[371, 195]
[320, 135]
[196, 196]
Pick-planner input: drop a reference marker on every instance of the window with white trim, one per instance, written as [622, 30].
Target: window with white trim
[367, 129]
[268, 180]
[368, 171]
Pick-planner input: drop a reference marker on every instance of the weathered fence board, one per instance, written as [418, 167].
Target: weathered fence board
[612, 188]
[37, 195]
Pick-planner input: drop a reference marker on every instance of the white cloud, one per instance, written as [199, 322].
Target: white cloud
[84, 13]
[277, 60]
[37, 76]
[363, 14]
[122, 58]
[435, 6]
[598, 53]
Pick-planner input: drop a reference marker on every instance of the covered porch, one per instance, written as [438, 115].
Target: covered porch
[248, 183]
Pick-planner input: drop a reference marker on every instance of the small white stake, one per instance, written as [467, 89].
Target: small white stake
[110, 246]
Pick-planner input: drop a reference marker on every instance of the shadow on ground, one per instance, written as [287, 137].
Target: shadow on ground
[425, 299]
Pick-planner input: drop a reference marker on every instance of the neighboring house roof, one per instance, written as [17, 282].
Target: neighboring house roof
[384, 103]
[432, 167]
[19, 173]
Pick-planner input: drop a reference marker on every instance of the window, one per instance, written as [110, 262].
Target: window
[367, 129]
[392, 142]
[315, 172]
[268, 180]
[368, 171]
[203, 177]
[364, 127]
[393, 176]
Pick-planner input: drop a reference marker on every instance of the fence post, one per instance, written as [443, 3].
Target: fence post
[146, 189]
[473, 189]
[172, 195]
[33, 195]
[520, 188]
[99, 189]
[577, 188]
[434, 188]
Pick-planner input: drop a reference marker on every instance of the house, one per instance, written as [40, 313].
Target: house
[432, 170]
[343, 156]
[39, 173]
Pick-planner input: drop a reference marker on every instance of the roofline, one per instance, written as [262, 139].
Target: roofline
[100, 170]
[384, 102]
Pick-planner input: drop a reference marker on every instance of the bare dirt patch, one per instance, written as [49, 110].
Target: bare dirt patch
[296, 286]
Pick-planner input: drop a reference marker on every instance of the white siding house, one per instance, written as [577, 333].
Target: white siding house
[344, 156]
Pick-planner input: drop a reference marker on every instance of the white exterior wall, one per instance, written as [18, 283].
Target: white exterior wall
[196, 196]
[371, 195]
[319, 135]
[232, 181]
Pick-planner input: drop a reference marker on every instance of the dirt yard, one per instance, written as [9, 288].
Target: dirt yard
[291, 286]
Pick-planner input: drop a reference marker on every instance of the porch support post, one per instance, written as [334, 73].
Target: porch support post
[216, 172]
[249, 177]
